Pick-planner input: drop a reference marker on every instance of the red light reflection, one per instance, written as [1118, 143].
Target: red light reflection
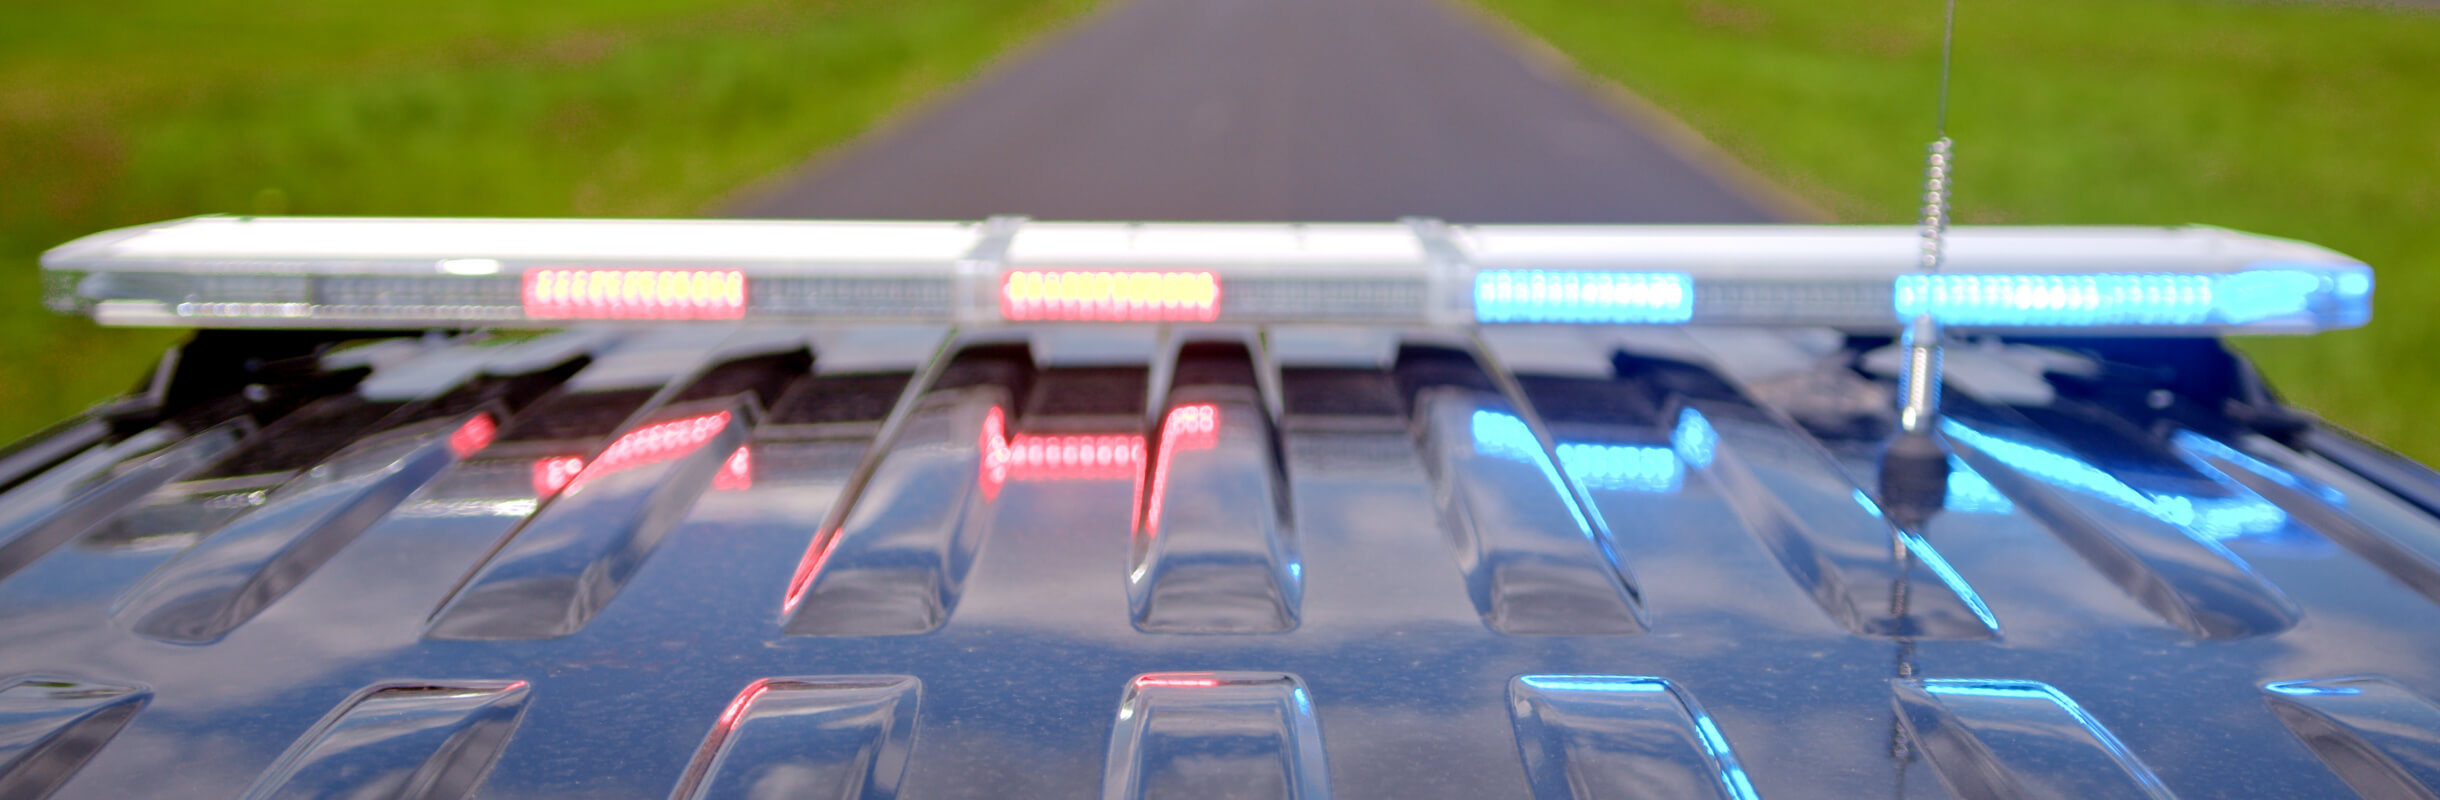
[1110, 296]
[1190, 427]
[660, 441]
[635, 293]
[736, 473]
[475, 435]
[823, 543]
[1151, 681]
[990, 475]
[553, 474]
[654, 443]
[745, 700]
[996, 454]
[1075, 457]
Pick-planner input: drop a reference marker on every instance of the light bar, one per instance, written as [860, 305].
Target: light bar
[459, 273]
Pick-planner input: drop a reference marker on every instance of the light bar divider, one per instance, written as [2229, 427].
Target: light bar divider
[1448, 274]
[978, 273]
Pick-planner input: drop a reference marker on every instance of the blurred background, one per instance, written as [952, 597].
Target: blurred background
[2312, 121]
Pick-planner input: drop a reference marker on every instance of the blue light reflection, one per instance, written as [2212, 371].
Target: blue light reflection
[1505, 436]
[1971, 493]
[2210, 519]
[1595, 683]
[1623, 467]
[1694, 438]
[2037, 690]
[1865, 500]
[2312, 688]
[1732, 774]
[1948, 574]
[2199, 444]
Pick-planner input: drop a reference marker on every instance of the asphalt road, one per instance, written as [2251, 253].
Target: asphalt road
[1265, 110]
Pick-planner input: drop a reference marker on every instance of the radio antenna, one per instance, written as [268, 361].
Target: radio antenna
[1915, 469]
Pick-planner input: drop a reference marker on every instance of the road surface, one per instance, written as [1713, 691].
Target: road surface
[1265, 110]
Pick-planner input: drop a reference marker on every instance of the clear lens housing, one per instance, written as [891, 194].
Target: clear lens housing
[397, 273]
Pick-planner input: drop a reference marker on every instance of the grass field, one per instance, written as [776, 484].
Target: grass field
[2314, 122]
[139, 110]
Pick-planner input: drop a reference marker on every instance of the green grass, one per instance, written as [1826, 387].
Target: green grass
[131, 111]
[2313, 122]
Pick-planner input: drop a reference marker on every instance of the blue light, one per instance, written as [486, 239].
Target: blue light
[1623, 468]
[2265, 294]
[1694, 438]
[2354, 285]
[1533, 295]
[2321, 296]
[1967, 299]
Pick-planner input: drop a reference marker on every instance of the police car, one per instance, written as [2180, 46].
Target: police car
[1004, 508]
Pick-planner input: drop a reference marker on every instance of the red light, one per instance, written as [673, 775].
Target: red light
[1152, 681]
[1110, 296]
[635, 293]
[735, 473]
[1076, 457]
[474, 435]
[1191, 427]
[553, 474]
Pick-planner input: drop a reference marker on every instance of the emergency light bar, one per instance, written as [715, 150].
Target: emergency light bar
[400, 273]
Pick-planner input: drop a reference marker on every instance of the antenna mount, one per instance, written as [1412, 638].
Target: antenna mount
[1915, 468]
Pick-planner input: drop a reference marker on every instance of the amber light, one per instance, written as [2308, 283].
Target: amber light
[635, 293]
[1110, 296]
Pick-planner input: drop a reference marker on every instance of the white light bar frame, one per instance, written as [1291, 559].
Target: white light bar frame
[390, 273]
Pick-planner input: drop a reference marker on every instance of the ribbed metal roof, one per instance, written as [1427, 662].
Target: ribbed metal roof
[711, 561]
